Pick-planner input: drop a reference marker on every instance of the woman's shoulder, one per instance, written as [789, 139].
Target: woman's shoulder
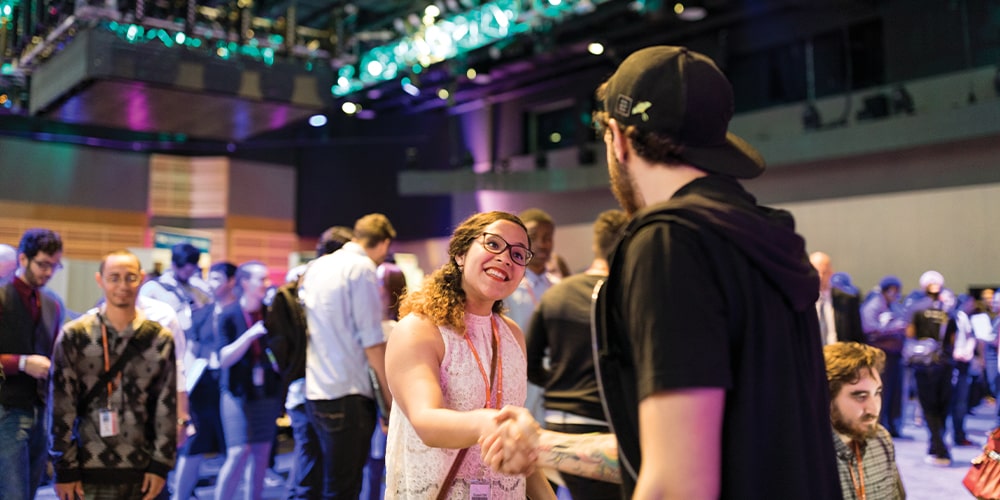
[415, 324]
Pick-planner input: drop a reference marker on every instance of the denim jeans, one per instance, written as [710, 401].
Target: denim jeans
[344, 427]
[23, 452]
[307, 470]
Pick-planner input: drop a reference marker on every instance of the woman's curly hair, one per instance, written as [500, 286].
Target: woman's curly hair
[441, 298]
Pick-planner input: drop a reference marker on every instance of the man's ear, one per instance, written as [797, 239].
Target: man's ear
[619, 143]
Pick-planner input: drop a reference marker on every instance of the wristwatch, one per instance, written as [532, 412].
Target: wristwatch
[22, 360]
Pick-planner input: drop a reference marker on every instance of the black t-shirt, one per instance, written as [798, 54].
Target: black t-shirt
[721, 294]
[561, 326]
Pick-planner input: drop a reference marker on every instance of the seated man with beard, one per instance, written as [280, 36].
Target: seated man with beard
[866, 458]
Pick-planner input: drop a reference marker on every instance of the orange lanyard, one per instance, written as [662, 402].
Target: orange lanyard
[107, 361]
[859, 482]
[482, 369]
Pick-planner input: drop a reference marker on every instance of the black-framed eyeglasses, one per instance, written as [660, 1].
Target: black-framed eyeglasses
[47, 266]
[494, 243]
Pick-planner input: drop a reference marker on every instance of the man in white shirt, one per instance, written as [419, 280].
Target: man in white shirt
[340, 293]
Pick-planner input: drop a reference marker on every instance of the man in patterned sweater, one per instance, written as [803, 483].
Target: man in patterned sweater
[113, 395]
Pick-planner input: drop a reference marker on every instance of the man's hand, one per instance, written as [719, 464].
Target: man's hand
[511, 449]
[37, 366]
[69, 491]
[152, 485]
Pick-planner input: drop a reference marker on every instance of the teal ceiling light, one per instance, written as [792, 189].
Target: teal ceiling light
[439, 38]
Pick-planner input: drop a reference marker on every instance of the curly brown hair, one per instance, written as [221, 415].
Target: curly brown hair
[656, 148]
[440, 297]
[845, 362]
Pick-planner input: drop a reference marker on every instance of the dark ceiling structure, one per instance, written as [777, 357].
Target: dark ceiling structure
[206, 78]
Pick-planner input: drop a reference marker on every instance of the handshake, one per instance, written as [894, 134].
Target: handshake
[518, 446]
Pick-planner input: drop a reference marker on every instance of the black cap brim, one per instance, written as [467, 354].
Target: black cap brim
[735, 158]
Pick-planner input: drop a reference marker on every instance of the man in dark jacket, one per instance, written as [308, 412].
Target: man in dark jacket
[839, 312]
[29, 321]
[709, 348]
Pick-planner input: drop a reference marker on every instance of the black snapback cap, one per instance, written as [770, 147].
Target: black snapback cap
[680, 93]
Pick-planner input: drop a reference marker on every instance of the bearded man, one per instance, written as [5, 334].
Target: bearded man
[866, 457]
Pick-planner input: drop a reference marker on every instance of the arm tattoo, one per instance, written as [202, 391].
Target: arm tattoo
[593, 456]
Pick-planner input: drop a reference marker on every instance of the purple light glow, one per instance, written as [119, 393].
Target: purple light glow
[137, 108]
[499, 200]
[279, 117]
[242, 121]
[476, 139]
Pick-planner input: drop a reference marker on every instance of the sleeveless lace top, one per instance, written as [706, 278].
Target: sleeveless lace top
[415, 471]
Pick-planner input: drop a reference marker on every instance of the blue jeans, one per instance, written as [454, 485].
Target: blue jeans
[344, 427]
[23, 452]
[307, 470]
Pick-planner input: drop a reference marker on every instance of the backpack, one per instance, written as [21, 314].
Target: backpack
[286, 332]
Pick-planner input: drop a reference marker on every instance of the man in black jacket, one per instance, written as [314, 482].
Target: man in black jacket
[29, 321]
[839, 312]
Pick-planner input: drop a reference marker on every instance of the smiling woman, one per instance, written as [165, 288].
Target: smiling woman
[453, 361]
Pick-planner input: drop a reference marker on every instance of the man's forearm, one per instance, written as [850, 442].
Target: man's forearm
[593, 456]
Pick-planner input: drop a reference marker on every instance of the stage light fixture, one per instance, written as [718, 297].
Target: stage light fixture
[317, 120]
[595, 48]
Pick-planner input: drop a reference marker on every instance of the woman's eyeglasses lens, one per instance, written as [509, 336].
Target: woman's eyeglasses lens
[495, 244]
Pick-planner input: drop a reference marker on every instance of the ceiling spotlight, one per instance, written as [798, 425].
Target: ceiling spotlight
[690, 12]
[432, 11]
[470, 73]
[595, 48]
[317, 120]
[443, 94]
[375, 68]
[350, 108]
[409, 87]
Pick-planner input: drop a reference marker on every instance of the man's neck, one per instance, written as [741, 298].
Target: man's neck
[20, 276]
[120, 317]
[657, 183]
[598, 268]
[539, 270]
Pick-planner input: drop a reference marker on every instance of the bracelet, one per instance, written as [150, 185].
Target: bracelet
[22, 360]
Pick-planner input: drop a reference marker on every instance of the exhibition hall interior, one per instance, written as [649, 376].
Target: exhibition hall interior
[248, 127]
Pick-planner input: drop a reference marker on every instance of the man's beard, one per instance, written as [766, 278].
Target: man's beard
[33, 279]
[841, 426]
[623, 186]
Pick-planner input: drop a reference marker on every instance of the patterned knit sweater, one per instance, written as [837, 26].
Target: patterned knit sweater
[143, 398]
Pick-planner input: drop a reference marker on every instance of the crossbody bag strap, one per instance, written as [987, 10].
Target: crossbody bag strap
[131, 350]
[453, 471]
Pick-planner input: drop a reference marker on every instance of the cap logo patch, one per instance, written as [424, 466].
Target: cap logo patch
[640, 109]
[624, 105]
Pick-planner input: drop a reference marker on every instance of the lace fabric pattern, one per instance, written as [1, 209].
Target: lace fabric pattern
[416, 471]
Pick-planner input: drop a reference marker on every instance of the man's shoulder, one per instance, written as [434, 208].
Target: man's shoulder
[82, 325]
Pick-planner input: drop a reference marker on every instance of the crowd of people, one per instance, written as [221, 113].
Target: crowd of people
[702, 354]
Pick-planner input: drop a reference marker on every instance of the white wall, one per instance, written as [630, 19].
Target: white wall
[952, 230]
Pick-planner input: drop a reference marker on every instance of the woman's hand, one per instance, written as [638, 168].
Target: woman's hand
[511, 448]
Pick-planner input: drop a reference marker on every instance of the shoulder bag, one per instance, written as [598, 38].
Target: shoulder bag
[983, 477]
